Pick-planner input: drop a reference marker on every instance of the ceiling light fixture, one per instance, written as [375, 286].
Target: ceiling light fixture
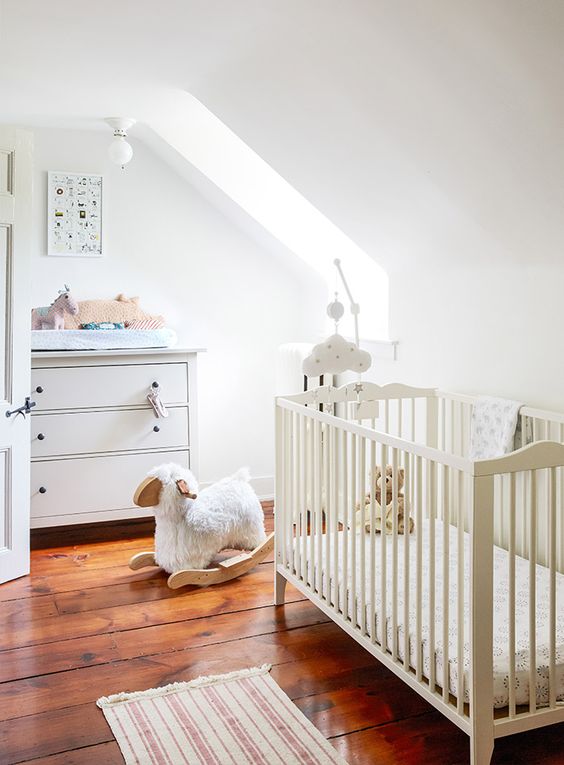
[120, 151]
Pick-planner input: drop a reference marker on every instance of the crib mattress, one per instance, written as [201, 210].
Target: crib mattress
[100, 339]
[501, 609]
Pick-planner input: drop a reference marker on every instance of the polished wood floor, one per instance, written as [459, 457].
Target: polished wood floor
[83, 625]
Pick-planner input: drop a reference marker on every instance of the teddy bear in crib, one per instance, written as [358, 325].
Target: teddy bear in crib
[384, 511]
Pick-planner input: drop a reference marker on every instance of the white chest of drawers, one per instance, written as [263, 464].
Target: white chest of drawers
[94, 434]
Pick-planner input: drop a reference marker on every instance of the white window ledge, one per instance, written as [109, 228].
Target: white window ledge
[381, 349]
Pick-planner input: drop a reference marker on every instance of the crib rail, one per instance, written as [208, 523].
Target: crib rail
[421, 602]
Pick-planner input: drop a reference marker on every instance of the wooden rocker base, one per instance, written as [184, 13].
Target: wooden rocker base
[223, 572]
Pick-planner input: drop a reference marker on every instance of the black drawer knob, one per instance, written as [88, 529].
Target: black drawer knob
[156, 428]
[154, 384]
[39, 389]
[41, 436]
[42, 490]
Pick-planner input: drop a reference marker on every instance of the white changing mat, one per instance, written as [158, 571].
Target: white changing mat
[501, 611]
[101, 339]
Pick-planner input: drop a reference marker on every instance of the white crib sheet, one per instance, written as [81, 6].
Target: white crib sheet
[501, 610]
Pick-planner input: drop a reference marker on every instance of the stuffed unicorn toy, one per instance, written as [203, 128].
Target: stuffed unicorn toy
[53, 316]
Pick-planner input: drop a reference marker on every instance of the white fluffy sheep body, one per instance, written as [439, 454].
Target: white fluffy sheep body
[189, 532]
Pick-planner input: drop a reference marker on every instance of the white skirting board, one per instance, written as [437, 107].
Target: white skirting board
[263, 486]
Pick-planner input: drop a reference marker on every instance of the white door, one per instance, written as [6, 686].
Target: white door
[15, 230]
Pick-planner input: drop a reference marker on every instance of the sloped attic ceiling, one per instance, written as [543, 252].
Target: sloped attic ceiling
[71, 67]
[425, 131]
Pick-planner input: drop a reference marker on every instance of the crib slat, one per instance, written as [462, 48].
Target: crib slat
[372, 543]
[394, 552]
[352, 526]
[326, 510]
[460, 589]
[297, 494]
[386, 416]
[408, 504]
[443, 423]
[383, 561]
[336, 461]
[305, 488]
[280, 499]
[446, 562]
[291, 493]
[432, 488]
[532, 593]
[287, 506]
[319, 456]
[552, 591]
[419, 566]
[500, 539]
[452, 428]
[524, 525]
[456, 492]
[412, 419]
[511, 594]
[361, 534]
[400, 417]
[461, 440]
[345, 516]
[313, 469]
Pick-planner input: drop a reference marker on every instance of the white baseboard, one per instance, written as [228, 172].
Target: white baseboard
[263, 486]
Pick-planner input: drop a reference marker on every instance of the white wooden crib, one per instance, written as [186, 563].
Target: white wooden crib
[469, 608]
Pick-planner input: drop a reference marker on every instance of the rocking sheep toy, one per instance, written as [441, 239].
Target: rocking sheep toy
[191, 527]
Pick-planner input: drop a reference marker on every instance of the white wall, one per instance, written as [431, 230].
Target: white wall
[432, 134]
[215, 285]
[481, 329]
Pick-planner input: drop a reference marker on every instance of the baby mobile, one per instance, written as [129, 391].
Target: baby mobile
[337, 354]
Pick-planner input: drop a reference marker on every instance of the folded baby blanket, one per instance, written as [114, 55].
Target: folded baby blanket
[103, 325]
[492, 428]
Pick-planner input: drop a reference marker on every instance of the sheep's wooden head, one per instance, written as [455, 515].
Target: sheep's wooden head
[148, 492]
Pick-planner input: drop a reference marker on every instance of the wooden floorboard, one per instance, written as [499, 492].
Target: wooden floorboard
[83, 625]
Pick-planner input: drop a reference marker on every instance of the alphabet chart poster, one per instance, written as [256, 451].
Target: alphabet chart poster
[74, 214]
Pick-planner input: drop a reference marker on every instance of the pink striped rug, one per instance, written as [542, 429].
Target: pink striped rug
[234, 719]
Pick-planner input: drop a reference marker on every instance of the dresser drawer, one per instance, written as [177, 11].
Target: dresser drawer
[91, 484]
[89, 387]
[111, 431]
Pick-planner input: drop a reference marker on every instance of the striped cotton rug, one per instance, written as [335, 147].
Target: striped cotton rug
[234, 719]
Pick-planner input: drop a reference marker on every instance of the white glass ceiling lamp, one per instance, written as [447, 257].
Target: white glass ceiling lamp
[120, 151]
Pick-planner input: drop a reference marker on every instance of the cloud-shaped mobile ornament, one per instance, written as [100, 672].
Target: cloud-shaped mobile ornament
[337, 354]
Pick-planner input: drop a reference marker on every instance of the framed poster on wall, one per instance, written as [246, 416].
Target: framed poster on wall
[74, 214]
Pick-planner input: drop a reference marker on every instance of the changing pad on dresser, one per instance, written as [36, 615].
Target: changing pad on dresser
[101, 339]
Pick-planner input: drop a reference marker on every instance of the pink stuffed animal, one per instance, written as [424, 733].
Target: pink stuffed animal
[53, 316]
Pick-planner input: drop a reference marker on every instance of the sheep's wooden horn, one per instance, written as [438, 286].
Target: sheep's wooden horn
[182, 487]
[148, 492]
